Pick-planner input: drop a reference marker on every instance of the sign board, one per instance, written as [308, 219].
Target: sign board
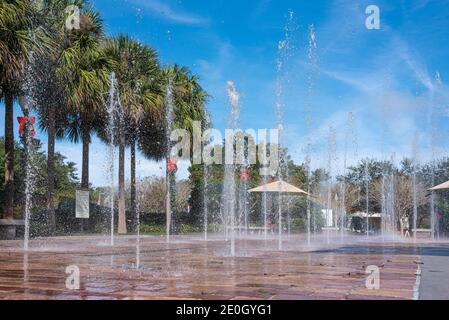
[82, 204]
[328, 217]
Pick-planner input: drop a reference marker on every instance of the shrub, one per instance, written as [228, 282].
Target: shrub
[188, 228]
[151, 228]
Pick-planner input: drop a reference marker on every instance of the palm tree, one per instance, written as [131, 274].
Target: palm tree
[84, 70]
[136, 69]
[188, 99]
[149, 92]
[50, 99]
[20, 36]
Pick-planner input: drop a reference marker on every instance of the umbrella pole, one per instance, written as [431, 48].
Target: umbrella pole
[280, 222]
[264, 208]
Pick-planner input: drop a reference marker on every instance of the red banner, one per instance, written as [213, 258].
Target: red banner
[172, 166]
[244, 174]
[23, 121]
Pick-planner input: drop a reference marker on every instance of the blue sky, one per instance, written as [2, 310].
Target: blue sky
[385, 77]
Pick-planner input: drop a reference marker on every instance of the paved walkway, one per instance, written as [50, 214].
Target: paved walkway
[194, 269]
[434, 283]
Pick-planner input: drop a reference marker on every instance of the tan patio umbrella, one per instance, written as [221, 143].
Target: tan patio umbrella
[444, 185]
[278, 187]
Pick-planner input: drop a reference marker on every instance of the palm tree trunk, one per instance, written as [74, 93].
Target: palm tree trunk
[85, 165]
[9, 157]
[121, 185]
[51, 170]
[133, 176]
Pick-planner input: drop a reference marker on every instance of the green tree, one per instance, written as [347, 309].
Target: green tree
[84, 70]
[66, 178]
[136, 68]
[21, 34]
[189, 99]
[51, 104]
[367, 171]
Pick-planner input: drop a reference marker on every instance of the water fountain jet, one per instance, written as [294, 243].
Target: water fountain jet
[229, 186]
[113, 110]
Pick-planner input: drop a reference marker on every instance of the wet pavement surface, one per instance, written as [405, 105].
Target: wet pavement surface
[190, 268]
[434, 280]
